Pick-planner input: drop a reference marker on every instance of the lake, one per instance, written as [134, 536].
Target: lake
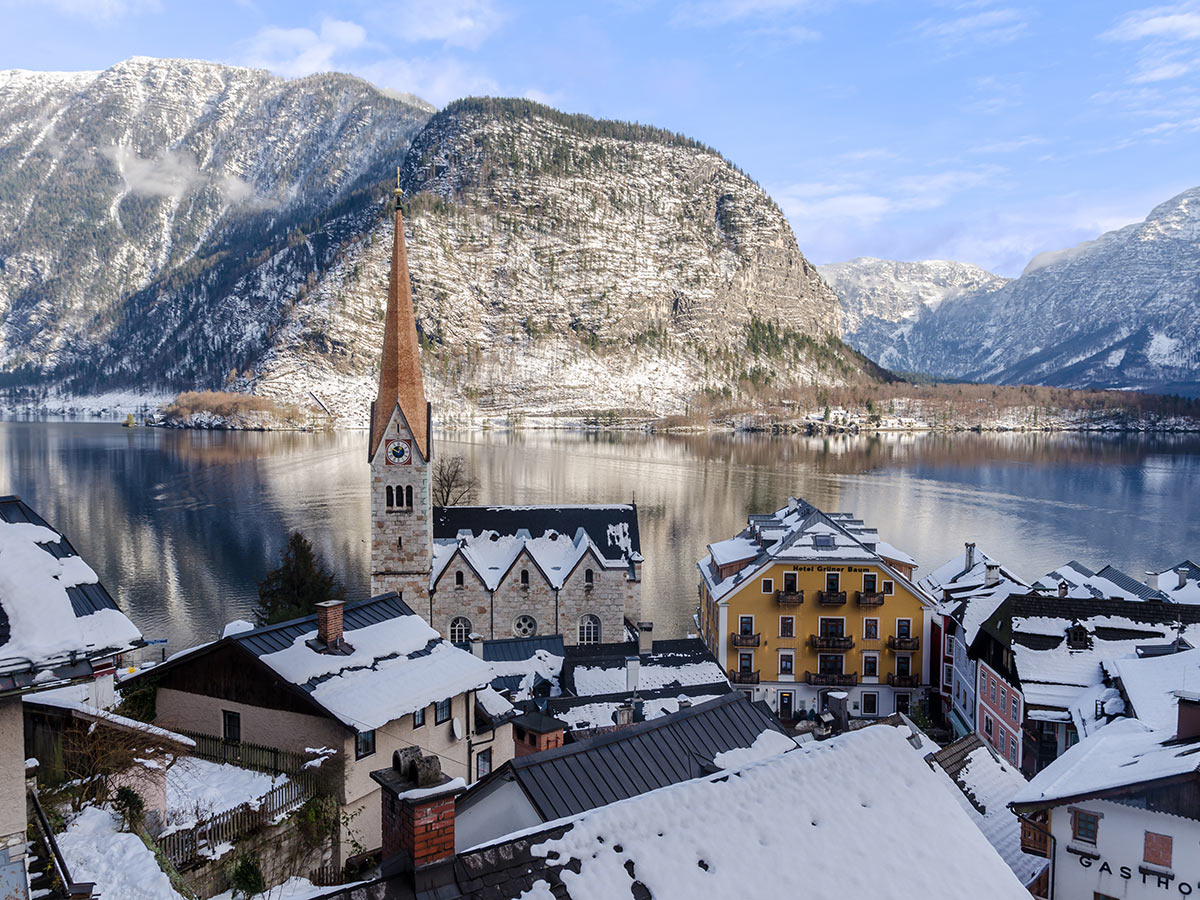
[181, 524]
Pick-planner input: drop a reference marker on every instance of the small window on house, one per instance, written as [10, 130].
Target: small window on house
[789, 582]
[589, 629]
[869, 582]
[904, 628]
[746, 662]
[904, 665]
[988, 727]
[1015, 709]
[768, 586]
[458, 579]
[903, 703]
[1077, 637]
[419, 717]
[483, 764]
[948, 675]
[827, 627]
[524, 578]
[460, 629]
[889, 587]
[833, 581]
[1003, 698]
[231, 726]
[589, 578]
[441, 712]
[992, 689]
[870, 665]
[1012, 749]
[364, 743]
[787, 626]
[870, 629]
[1084, 826]
[786, 663]
[745, 624]
[831, 664]
[1158, 849]
[870, 703]
[408, 496]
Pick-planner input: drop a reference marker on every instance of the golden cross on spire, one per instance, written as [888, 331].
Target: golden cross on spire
[399, 191]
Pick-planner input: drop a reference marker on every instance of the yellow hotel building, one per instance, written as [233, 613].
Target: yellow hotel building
[803, 602]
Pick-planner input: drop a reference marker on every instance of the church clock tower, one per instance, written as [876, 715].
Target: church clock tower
[400, 450]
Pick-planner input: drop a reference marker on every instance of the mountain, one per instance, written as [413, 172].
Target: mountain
[881, 298]
[565, 265]
[1122, 311]
[158, 218]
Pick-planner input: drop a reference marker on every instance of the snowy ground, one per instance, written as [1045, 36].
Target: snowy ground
[295, 888]
[122, 867]
[198, 789]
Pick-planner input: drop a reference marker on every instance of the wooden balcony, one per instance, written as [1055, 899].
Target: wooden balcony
[744, 640]
[904, 644]
[830, 680]
[903, 681]
[1035, 837]
[831, 598]
[869, 598]
[736, 677]
[831, 642]
[789, 598]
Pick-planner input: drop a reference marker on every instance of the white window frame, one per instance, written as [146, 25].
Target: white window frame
[793, 620]
[907, 698]
[795, 578]
[822, 619]
[751, 631]
[867, 619]
[768, 585]
[825, 581]
[841, 656]
[989, 727]
[904, 656]
[872, 654]
[865, 576]
[1012, 749]
[863, 704]
[789, 655]
[1016, 708]
[888, 587]
[907, 619]
[948, 674]
[742, 653]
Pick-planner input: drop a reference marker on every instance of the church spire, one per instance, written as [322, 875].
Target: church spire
[400, 372]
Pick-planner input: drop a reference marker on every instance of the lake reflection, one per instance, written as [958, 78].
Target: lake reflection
[180, 524]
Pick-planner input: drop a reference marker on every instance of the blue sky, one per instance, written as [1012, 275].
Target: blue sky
[974, 130]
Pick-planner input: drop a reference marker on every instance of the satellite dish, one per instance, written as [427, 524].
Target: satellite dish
[456, 728]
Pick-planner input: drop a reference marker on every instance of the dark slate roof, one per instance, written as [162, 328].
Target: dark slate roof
[562, 706]
[631, 761]
[272, 638]
[1130, 584]
[538, 723]
[448, 521]
[517, 649]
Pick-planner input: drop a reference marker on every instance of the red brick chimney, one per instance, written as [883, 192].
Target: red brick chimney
[329, 622]
[1188, 724]
[418, 818]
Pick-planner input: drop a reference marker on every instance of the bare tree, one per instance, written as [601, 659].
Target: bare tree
[453, 482]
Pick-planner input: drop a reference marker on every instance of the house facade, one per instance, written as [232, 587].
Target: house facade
[493, 571]
[362, 681]
[802, 603]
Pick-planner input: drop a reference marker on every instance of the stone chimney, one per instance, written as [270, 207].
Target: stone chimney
[625, 714]
[1152, 580]
[991, 574]
[645, 638]
[418, 819]
[476, 640]
[329, 623]
[969, 555]
[1188, 723]
[685, 702]
[1063, 587]
[1182, 573]
[633, 666]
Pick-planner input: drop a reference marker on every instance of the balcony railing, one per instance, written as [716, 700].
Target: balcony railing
[831, 641]
[870, 598]
[1035, 838]
[789, 598]
[831, 598]
[745, 640]
[904, 643]
[737, 677]
[831, 680]
[903, 681]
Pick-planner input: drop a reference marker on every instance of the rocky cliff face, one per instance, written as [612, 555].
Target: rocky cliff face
[157, 218]
[882, 298]
[1122, 311]
[563, 265]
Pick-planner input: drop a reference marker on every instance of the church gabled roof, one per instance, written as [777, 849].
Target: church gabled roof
[400, 379]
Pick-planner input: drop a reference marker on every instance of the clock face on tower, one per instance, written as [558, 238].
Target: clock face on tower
[398, 452]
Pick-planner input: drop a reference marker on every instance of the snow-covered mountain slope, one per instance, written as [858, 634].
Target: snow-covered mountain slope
[565, 265]
[881, 298]
[158, 218]
[1122, 311]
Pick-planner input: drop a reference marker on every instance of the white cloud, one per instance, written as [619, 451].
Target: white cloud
[456, 23]
[172, 174]
[293, 52]
[1172, 23]
[992, 26]
[436, 79]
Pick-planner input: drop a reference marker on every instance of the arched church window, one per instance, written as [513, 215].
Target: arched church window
[458, 578]
[408, 496]
[589, 629]
[460, 629]
[524, 578]
[589, 579]
[391, 497]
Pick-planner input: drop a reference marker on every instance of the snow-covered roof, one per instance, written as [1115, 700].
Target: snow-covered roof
[612, 528]
[1187, 572]
[491, 555]
[652, 674]
[1082, 583]
[797, 533]
[588, 714]
[888, 551]
[73, 699]
[1150, 683]
[966, 592]
[398, 664]
[1125, 753]
[54, 613]
[782, 824]
[986, 784]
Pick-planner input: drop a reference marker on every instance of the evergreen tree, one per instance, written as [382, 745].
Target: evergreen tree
[297, 586]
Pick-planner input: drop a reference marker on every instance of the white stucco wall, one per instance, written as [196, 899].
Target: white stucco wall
[12, 774]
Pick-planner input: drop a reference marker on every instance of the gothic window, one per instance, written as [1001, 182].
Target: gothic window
[458, 578]
[589, 579]
[524, 626]
[524, 578]
[391, 497]
[460, 629]
[589, 629]
[408, 496]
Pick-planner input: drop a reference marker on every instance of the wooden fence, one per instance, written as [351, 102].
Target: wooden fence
[248, 756]
[189, 845]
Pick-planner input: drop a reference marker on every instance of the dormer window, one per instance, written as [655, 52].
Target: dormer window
[1077, 638]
